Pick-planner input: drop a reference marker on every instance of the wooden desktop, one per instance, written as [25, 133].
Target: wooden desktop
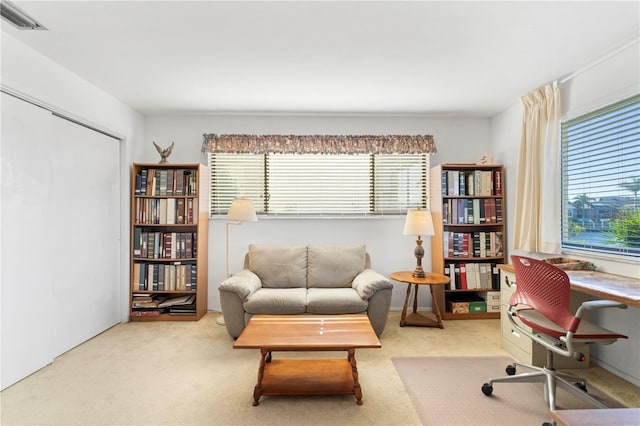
[602, 285]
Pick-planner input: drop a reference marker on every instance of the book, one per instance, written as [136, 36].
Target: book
[497, 181]
[180, 300]
[463, 276]
[443, 182]
[498, 206]
[136, 276]
[486, 185]
[145, 313]
[171, 211]
[137, 242]
[483, 275]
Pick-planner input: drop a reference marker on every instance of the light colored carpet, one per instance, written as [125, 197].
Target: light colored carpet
[447, 391]
[187, 373]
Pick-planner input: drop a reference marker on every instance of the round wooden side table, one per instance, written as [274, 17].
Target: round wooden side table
[416, 319]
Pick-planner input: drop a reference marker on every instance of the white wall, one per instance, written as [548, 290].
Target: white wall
[457, 140]
[29, 73]
[613, 79]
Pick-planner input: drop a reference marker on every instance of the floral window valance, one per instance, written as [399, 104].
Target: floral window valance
[319, 144]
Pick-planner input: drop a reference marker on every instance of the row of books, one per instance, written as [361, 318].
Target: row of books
[156, 304]
[164, 245]
[474, 275]
[472, 244]
[165, 277]
[163, 182]
[472, 211]
[166, 211]
[481, 183]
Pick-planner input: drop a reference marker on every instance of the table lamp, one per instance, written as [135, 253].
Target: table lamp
[418, 223]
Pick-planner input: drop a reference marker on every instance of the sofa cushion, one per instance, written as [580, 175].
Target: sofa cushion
[277, 301]
[335, 265]
[334, 301]
[279, 266]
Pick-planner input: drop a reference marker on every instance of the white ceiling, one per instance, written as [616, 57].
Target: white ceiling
[422, 57]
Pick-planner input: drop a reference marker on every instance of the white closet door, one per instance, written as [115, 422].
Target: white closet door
[25, 286]
[83, 230]
[60, 236]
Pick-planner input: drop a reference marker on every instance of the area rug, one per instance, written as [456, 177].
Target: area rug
[447, 391]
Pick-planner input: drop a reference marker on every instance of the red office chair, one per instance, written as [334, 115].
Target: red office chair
[539, 309]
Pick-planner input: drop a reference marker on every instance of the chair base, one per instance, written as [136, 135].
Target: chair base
[551, 378]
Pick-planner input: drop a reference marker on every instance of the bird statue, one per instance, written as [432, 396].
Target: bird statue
[164, 153]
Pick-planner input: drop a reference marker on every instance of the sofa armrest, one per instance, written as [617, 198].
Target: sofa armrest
[243, 283]
[368, 282]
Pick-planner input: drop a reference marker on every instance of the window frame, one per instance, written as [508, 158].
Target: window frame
[263, 204]
[604, 246]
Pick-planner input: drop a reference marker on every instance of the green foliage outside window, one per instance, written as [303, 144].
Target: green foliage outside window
[626, 228]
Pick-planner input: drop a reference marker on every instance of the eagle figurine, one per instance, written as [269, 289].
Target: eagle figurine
[164, 153]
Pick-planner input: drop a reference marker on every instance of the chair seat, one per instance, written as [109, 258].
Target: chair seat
[586, 332]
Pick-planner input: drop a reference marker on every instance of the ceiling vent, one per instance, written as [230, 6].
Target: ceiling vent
[17, 17]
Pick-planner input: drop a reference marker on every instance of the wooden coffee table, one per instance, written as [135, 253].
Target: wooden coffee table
[272, 333]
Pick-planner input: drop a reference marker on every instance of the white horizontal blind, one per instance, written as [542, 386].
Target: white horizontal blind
[601, 180]
[233, 176]
[400, 182]
[320, 185]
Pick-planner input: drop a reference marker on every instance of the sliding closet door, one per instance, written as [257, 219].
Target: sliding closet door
[83, 229]
[27, 341]
[60, 255]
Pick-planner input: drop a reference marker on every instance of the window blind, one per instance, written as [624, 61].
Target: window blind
[601, 179]
[320, 185]
[233, 176]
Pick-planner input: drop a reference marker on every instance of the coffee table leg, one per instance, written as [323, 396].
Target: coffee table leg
[357, 390]
[257, 391]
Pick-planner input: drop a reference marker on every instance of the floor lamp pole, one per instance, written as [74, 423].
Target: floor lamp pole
[220, 319]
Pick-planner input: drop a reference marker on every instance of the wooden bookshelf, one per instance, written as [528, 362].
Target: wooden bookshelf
[469, 211]
[169, 236]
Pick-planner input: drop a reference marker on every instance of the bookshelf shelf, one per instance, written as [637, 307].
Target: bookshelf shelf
[169, 235]
[467, 205]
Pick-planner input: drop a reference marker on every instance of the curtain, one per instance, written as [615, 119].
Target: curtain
[537, 212]
[319, 144]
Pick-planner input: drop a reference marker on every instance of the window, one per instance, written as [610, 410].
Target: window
[320, 185]
[601, 180]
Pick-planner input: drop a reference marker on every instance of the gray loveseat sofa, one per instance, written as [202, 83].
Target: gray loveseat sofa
[293, 279]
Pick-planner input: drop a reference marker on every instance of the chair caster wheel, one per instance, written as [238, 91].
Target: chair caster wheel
[487, 389]
[511, 369]
[548, 424]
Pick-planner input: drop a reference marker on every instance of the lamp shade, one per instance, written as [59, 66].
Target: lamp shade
[418, 222]
[242, 209]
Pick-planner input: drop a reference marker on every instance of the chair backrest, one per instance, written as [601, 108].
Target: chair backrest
[545, 288]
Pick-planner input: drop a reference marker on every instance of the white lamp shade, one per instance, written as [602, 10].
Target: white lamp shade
[418, 222]
[242, 209]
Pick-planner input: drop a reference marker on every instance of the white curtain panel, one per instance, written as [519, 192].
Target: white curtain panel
[537, 213]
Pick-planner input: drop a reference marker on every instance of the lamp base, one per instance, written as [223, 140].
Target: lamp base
[419, 253]
[419, 272]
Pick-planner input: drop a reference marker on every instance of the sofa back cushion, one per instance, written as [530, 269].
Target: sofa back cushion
[334, 265]
[279, 265]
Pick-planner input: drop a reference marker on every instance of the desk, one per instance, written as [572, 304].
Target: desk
[415, 318]
[600, 417]
[606, 286]
[602, 285]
